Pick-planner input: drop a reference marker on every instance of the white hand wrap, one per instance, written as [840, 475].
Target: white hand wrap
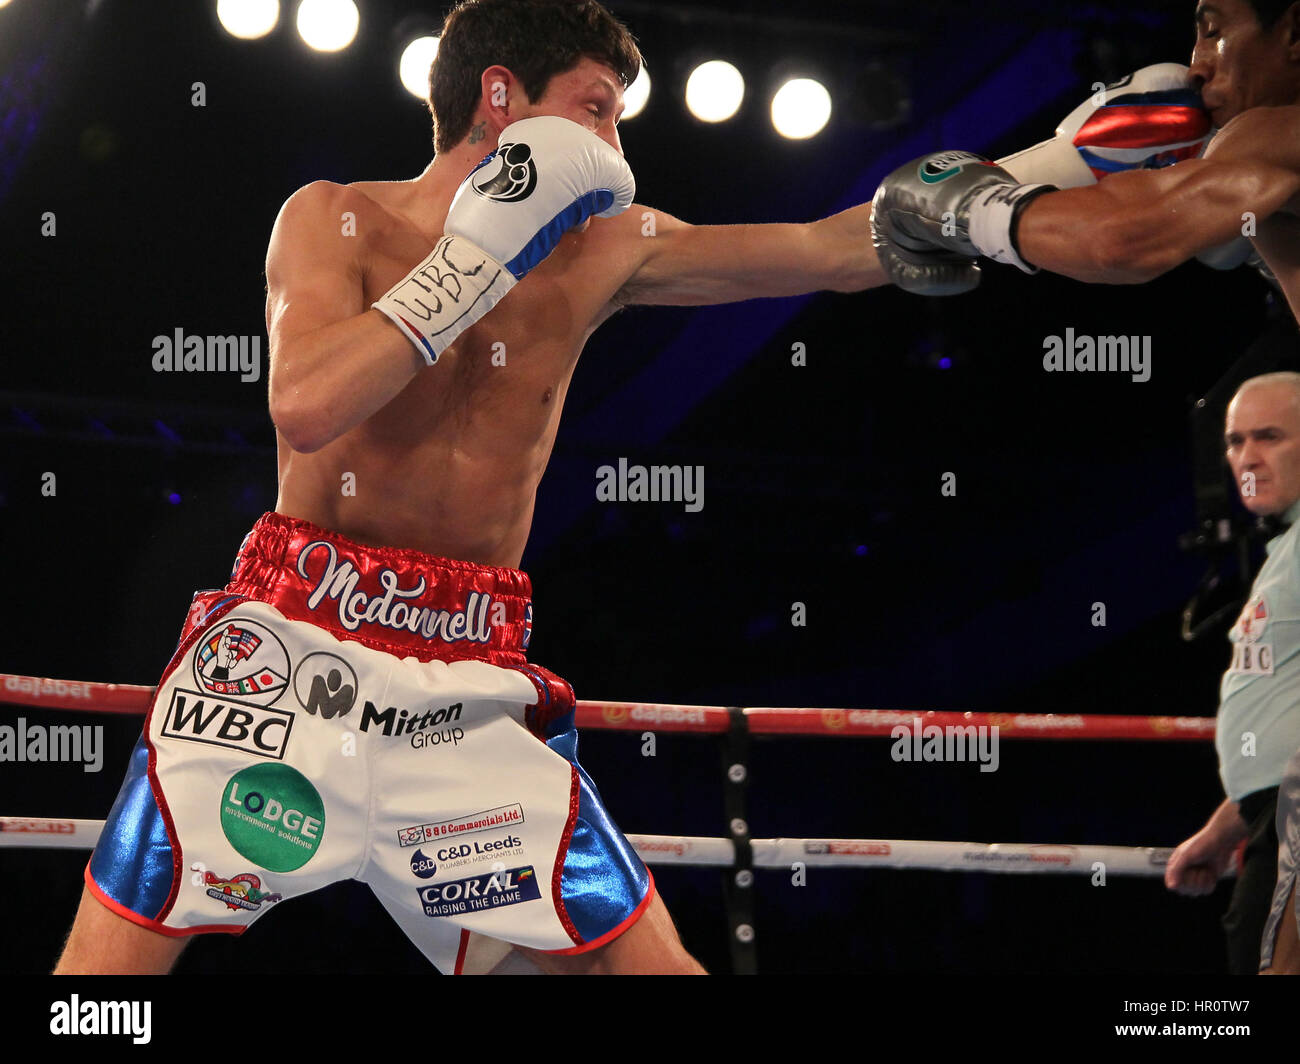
[443, 296]
[992, 212]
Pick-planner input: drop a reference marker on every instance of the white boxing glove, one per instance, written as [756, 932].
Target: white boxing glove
[1150, 119]
[546, 176]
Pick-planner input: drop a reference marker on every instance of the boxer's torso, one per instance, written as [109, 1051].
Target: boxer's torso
[451, 465]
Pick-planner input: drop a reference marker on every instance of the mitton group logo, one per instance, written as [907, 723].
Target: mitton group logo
[325, 684]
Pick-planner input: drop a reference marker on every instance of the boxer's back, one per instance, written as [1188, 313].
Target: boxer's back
[451, 465]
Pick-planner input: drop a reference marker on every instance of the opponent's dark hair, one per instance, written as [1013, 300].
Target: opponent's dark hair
[1269, 11]
[533, 39]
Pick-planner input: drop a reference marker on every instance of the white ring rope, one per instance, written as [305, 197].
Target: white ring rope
[1012, 857]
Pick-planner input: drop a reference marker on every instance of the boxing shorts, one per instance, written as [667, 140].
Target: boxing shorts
[344, 711]
[1288, 855]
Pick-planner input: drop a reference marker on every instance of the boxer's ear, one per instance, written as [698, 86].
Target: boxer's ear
[501, 98]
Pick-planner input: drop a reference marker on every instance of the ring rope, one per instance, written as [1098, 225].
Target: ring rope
[1005, 857]
[91, 697]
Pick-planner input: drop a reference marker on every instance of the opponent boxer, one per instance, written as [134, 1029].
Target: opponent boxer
[433, 787]
[1133, 227]
[1127, 230]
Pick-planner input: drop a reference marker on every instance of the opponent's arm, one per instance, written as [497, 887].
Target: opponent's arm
[334, 361]
[1139, 225]
[1127, 229]
[697, 265]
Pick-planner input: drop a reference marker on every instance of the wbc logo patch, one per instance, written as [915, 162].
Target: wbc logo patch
[1249, 655]
[240, 658]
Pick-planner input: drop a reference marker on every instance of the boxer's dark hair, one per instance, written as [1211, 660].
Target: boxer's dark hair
[1269, 11]
[533, 39]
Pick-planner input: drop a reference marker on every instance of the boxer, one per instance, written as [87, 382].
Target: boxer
[423, 334]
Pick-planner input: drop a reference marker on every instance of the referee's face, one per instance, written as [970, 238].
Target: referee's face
[1263, 446]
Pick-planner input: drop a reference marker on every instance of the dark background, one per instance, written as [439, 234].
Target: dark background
[821, 482]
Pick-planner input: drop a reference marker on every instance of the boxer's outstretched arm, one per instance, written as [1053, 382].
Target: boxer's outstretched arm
[697, 265]
[334, 361]
[1135, 226]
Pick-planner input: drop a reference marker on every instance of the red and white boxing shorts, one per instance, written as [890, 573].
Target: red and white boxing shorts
[342, 711]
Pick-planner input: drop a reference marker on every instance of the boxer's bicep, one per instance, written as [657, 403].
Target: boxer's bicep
[697, 265]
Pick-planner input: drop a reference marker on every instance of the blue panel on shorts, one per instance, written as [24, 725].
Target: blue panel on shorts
[132, 862]
[603, 880]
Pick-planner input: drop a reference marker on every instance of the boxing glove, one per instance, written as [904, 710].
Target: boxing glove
[1150, 119]
[546, 176]
[950, 202]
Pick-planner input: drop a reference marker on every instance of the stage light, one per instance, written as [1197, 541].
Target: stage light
[714, 91]
[328, 25]
[636, 95]
[801, 108]
[248, 19]
[413, 67]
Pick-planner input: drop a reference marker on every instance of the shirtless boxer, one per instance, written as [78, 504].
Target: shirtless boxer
[240, 769]
[1130, 229]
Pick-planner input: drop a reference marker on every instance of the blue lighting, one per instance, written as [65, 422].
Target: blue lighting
[860, 550]
[945, 362]
[174, 498]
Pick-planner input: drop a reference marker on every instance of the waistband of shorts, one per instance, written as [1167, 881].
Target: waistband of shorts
[1251, 805]
[399, 601]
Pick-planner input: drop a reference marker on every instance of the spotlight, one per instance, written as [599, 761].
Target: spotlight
[634, 99]
[413, 68]
[328, 25]
[714, 91]
[801, 108]
[247, 19]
